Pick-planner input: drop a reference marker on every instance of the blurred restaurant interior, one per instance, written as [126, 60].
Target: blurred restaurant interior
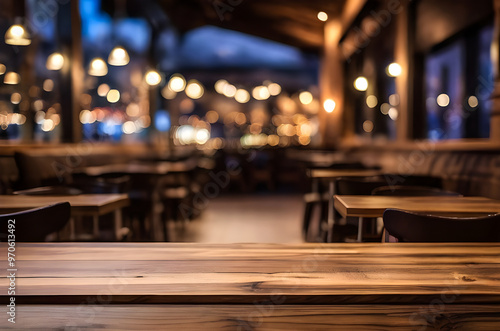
[176, 127]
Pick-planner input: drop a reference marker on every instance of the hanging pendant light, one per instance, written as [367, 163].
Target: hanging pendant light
[17, 35]
[98, 67]
[12, 78]
[118, 57]
[55, 61]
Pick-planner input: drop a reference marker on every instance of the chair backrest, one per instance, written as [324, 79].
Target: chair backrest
[413, 180]
[359, 186]
[35, 224]
[412, 191]
[412, 227]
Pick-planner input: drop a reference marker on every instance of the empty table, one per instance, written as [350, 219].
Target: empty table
[254, 286]
[93, 205]
[331, 175]
[374, 206]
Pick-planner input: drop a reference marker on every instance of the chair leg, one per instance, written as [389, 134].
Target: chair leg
[360, 229]
[307, 219]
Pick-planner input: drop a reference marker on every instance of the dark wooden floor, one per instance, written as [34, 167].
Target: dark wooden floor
[246, 218]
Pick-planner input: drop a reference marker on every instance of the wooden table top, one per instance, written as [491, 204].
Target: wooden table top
[374, 206]
[336, 173]
[80, 204]
[148, 168]
[257, 316]
[187, 273]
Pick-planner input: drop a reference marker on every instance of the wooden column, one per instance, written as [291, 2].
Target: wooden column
[403, 55]
[332, 85]
[72, 74]
[495, 57]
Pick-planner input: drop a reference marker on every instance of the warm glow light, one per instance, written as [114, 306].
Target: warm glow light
[48, 85]
[219, 86]
[103, 90]
[384, 108]
[118, 57]
[87, 117]
[55, 61]
[48, 125]
[305, 97]
[394, 70]
[17, 35]
[194, 89]
[229, 90]
[273, 140]
[38, 105]
[3, 68]
[371, 101]
[240, 119]
[394, 99]
[304, 140]
[113, 96]
[274, 90]
[133, 110]
[128, 127]
[242, 96]
[368, 126]
[202, 136]
[98, 67]
[322, 16]
[153, 78]
[15, 98]
[473, 101]
[329, 105]
[361, 84]
[177, 83]
[261, 93]
[443, 100]
[393, 113]
[167, 93]
[212, 116]
[12, 78]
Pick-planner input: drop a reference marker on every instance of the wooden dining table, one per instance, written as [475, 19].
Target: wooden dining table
[93, 205]
[369, 206]
[331, 175]
[160, 286]
[374, 206]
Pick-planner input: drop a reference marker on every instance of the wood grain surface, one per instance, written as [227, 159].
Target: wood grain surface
[336, 173]
[265, 316]
[358, 273]
[374, 206]
[80, 204]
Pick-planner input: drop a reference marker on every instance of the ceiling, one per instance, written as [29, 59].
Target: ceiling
[292, 22]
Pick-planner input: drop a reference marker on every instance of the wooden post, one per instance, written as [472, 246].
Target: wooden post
[332, 85]
[403, 55]
[495, 57]
[72, 74]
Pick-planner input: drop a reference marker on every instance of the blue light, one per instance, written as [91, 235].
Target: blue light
[162, 120]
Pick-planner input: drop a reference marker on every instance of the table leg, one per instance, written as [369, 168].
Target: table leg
[331, 211]
[360, 229]
[72, 235]
[95, 220]
[118, 223]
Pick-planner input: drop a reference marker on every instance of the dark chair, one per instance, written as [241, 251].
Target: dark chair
[317, 200]
[412, 191]
[35, 224]
[406, 226]
[359, 186]
[412, 180]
